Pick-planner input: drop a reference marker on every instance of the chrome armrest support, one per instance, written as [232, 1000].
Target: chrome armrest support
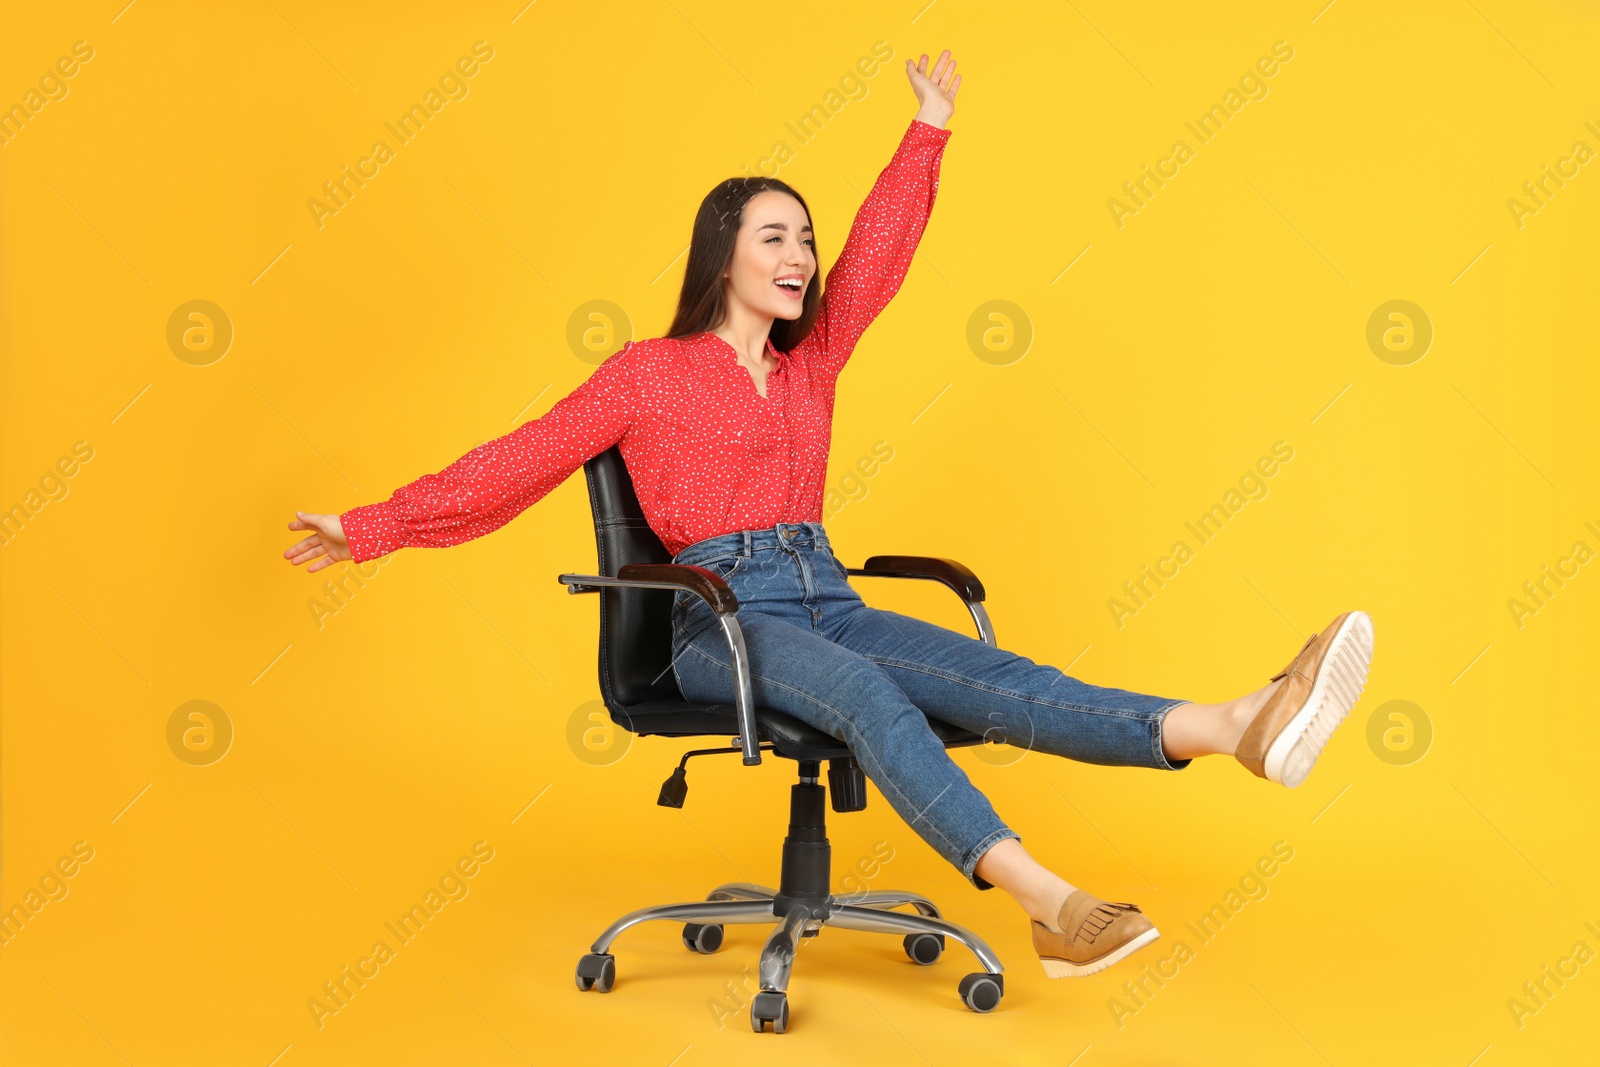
[715, 592]
[957, 577]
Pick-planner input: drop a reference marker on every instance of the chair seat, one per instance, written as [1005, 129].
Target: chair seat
[791, 738]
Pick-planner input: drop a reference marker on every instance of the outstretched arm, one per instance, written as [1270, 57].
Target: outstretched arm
[888, 225]
[487, 487]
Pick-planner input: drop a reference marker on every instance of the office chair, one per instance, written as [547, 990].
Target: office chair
[636, 583]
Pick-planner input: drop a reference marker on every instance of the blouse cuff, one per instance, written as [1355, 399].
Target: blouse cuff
[371, 531]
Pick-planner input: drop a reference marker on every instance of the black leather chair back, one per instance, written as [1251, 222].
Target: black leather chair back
[635, 624]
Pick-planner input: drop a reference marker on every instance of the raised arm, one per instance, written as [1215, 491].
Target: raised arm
[887, 228]
[498, 480]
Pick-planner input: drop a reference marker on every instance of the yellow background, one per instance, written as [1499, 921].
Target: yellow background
[431, 313]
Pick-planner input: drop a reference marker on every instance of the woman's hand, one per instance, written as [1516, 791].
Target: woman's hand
[936, 93]
[328, 541]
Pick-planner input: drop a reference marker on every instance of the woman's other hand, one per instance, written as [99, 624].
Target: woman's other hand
[936, 93]
[328, 541]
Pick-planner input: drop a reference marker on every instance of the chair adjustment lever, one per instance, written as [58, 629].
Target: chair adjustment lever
[676, 787]
[847, 784]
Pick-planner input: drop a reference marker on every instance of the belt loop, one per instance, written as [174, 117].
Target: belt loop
[748, 553]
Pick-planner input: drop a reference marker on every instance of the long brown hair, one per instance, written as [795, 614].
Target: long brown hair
[701, 302]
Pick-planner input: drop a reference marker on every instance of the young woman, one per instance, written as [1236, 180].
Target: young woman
[725, 425]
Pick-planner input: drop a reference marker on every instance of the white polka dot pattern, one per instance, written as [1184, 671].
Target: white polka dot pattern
[707, 453]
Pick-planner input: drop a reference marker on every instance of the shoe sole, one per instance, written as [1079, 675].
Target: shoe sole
[1334, 693]
[1055, 968]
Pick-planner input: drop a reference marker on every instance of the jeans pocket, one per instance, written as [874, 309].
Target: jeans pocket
[724, 567]
[838, 566]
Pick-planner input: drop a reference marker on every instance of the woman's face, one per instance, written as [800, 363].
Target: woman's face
[774, 256]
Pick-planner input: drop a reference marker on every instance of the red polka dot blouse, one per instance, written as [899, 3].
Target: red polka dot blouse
[707, 453]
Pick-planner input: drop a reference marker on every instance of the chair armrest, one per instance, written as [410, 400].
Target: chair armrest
[722, 601]
[697, 580]
[956, 575]
[934, 568]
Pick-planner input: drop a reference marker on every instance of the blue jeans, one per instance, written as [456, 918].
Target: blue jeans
[871, 677]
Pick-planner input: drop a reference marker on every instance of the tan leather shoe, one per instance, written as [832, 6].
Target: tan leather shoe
[1099, 933]
[1320, 686]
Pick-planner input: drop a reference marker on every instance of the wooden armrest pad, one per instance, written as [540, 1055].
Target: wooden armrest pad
[956, 575]
[703, 583]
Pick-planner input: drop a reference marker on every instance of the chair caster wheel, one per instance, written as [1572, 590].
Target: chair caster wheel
[982, 992]
[769, 1007]
[924, 948]
[597, 971]
[702, 938]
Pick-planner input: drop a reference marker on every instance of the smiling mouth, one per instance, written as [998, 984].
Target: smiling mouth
[794, 288]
